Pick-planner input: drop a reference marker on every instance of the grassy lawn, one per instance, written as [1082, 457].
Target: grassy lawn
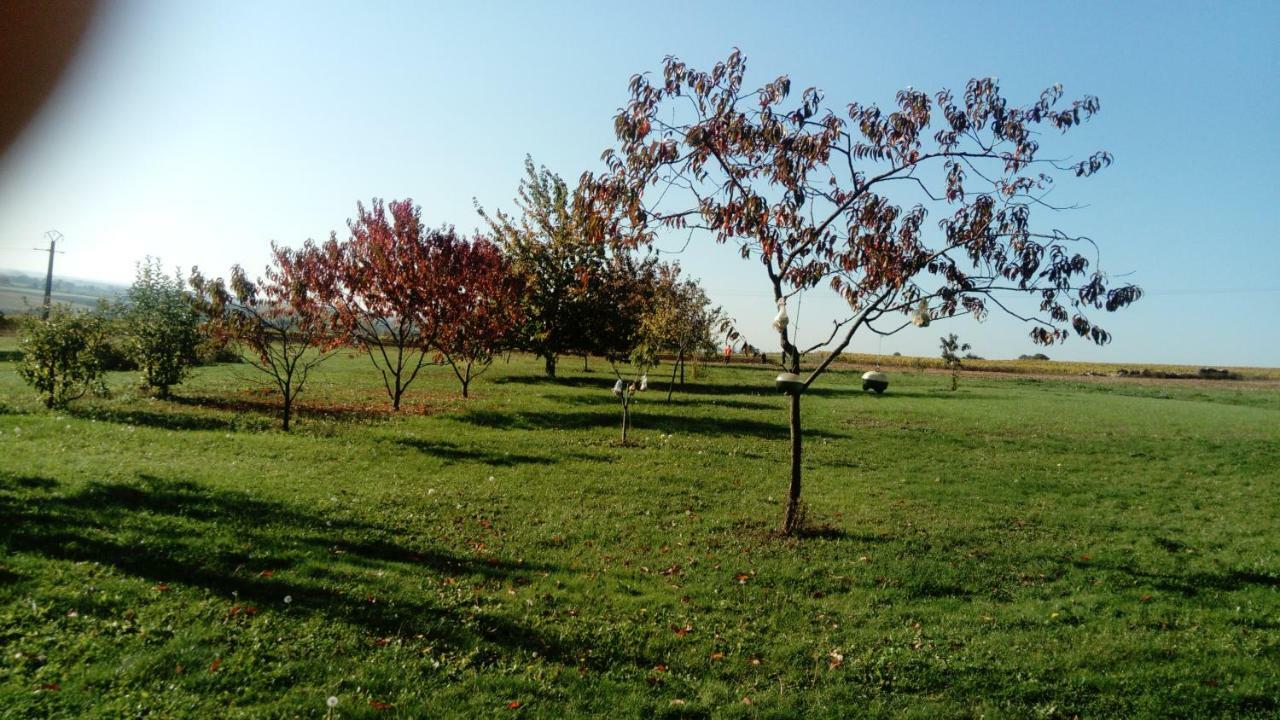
[1019, 548]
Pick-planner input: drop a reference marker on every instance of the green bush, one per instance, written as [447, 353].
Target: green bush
[162, 327]
[61, 356]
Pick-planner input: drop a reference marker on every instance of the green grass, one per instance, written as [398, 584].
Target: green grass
[1018, 548]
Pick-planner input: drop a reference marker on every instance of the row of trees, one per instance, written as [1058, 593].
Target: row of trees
[154, 329]
[404, 294]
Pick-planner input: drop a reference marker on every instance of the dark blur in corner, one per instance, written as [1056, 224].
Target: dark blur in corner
[38, 39]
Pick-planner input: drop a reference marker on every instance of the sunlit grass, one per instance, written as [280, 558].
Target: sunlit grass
[1020, 547]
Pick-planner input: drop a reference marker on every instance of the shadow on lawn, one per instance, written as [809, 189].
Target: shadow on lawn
[752, 381]
[451, 452]
[642, 418]
[253, 553]
[1191, 583]
[150, 418]
[270, 406]
[657, 397]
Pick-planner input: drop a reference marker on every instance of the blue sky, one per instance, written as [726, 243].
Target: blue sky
[200, 132]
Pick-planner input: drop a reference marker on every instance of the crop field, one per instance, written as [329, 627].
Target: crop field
[1020, 547]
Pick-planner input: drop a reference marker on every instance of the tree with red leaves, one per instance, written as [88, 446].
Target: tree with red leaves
[379, 283]
[283, 324]
[476, 304]
[819, 198]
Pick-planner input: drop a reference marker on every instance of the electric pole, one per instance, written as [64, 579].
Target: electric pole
[53, 236]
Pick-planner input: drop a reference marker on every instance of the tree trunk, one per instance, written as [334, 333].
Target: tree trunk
[680, 360]
[672, 385]
[550, 366]
[288, 409]
[790, 522]
[395, 398]
[584, 364]
[466, 385]
[626, 417]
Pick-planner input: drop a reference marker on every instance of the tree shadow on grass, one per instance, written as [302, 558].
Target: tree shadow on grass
[1189, 584]
[641, 419]
[750, 382]
[271, 407]
[658, 397]
[151, 418]
[254, 553]
[451, 452]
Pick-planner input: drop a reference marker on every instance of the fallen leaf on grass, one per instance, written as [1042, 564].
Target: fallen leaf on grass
[746, 700]
[742, 578]
[514, 705]
[267, 573]
[717, 656]
[217, 663]
[160, 587]
[52, 687]
[380, 706]
[837, 659]
[682, 631]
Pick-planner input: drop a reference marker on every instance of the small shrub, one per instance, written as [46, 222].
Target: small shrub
[61, 356]
[162, 327]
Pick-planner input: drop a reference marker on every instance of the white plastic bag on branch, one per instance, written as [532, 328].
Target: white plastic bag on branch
[780, 321]
[618, 388]
[921, 318]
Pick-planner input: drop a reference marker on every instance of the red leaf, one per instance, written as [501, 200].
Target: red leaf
[514, 705]
[267, 573]
[682, 631]
[54, 687]
[217, 663]
[380, 706]
[160, 587]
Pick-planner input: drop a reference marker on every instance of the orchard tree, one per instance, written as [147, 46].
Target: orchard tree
[61, 355]
[816, 197]
[681, 320]
[476, 305]
[571, 284]
[162, 326]
[378, 284]
[951, 349]
[286, 329]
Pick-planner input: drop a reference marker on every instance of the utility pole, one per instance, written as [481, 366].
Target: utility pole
[53, 236]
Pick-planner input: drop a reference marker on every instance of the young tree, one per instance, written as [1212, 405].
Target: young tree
[162, 326]
[60, 355]
[681, 320]
[572, 286]
[816, 198]
[951, 349]
[287, 330]
[477, 305]
[378, 284]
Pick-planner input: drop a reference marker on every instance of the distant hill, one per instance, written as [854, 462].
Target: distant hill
[22, 291]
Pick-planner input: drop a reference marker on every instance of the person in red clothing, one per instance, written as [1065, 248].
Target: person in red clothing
[728, 353]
